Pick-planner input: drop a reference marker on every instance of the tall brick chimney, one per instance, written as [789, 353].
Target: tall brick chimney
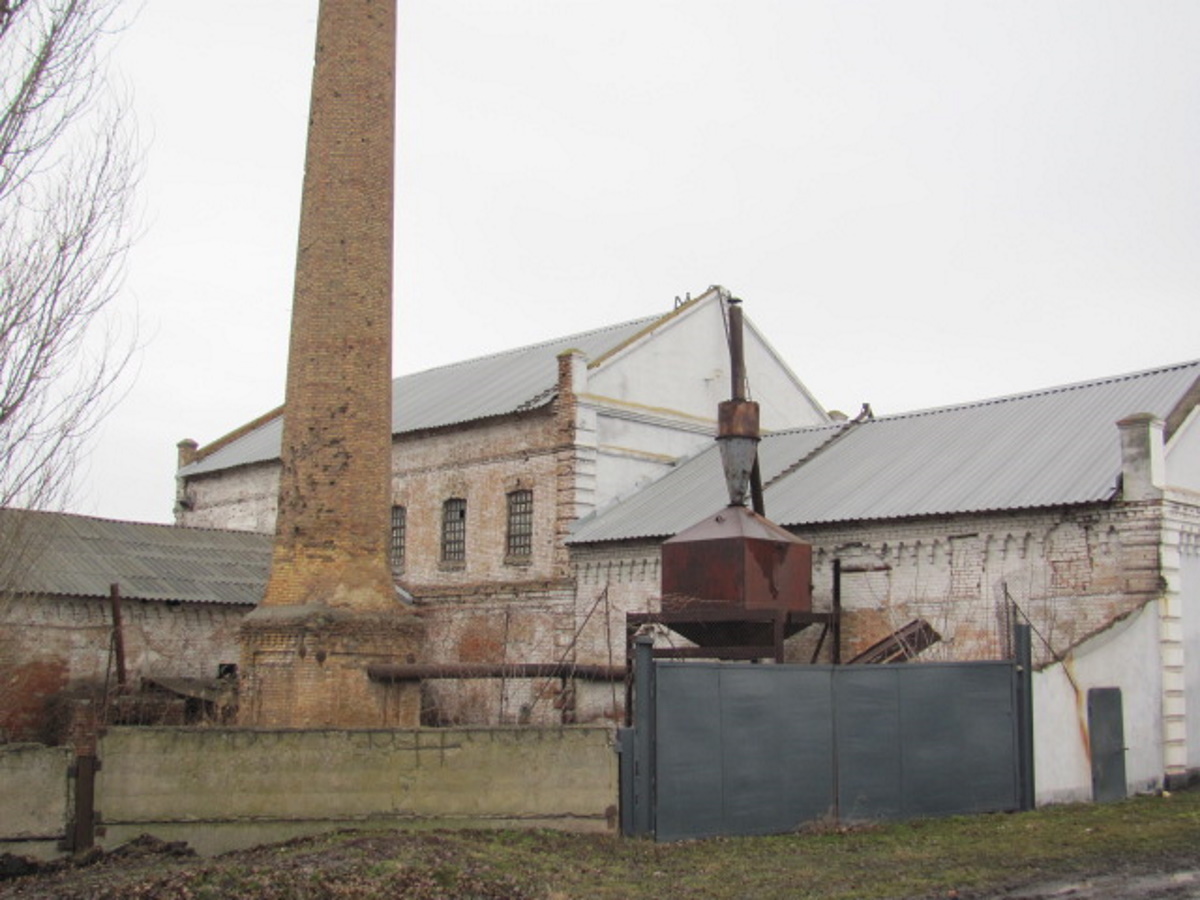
[330, 607]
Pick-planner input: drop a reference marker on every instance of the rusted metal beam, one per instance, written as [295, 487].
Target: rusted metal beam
[725, 614]
[385, 673]
[901, 645]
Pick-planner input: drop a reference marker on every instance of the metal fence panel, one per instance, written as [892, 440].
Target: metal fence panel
[958, 739]
[741, 749]
[777, 747]
[689, 782]
[867, 714]
[749, 749]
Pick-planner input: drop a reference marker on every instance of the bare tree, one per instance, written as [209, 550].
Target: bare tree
[68, 167]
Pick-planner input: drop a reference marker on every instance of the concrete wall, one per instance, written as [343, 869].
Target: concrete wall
[219, 788]
[1125, 656]
[34, 798]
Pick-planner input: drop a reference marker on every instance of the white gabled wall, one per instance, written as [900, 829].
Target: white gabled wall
[681, 367]
[1125, 656]
[655, 400]
[1183, 454]
[1189, 578]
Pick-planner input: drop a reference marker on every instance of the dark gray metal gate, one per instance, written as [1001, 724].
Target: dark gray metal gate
[1106, 725]
[737, 748]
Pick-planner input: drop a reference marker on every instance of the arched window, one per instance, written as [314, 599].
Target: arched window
[396, 545]
[520, 525]
[454, 530]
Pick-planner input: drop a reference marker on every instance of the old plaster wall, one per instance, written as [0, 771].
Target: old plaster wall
[1072, 571]
[1124, 656]
[531, 623]
[49, 645]
[240, 499]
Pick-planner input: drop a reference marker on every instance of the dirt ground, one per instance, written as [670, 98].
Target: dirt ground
[359, 868]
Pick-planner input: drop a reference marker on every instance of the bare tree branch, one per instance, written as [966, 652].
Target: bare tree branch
[68, 168]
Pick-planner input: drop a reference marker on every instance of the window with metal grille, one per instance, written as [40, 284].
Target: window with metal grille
[396, 547]
[520, 524]
[454, 530]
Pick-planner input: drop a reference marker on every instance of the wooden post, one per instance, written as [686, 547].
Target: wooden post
[118, 637]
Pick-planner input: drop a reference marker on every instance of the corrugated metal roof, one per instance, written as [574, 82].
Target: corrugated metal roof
[79, 556]
[1046, 448]
[524, 378]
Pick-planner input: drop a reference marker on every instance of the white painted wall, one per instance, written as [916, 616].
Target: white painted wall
[655, 402]
[1126, 656]
[1183, 454]
[1189, 601]
[682, 367]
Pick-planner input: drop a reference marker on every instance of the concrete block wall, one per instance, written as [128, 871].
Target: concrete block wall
[220, 787]
[35, 797]
[1123, 656]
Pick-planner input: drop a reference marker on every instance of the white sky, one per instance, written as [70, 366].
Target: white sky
[920, 202]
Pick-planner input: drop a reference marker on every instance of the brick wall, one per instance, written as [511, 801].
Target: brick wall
[480, 464]
[1071, 571]
[49, 645]
[532, 622]
[241, 499]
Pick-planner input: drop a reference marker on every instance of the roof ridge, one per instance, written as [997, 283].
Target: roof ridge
[49, 513]
[527, 347]
[1037, 392]
[843, 429]
[654, 322]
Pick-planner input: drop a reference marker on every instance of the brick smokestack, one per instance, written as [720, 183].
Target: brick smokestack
[330, 607]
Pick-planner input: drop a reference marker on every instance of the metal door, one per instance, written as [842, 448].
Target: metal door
[1106, 725]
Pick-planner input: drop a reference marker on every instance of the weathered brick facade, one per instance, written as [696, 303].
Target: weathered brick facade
[51, 647]
[1072, 571]
[330, 608]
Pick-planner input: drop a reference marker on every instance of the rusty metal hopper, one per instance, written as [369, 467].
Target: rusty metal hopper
[738, 560]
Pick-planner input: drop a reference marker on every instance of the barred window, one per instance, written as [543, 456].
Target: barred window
[454, 530]
[399, 529]
[520, 524]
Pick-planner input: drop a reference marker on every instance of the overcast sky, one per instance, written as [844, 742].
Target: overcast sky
[921, 203]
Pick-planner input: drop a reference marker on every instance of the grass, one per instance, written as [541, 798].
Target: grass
[927, 858]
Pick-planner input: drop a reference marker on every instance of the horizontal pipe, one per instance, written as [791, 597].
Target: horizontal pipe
[391, 673]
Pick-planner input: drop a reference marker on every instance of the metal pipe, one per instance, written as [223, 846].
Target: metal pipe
[756, 490]
[837, 612]
[387, 673]
[737, 356]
